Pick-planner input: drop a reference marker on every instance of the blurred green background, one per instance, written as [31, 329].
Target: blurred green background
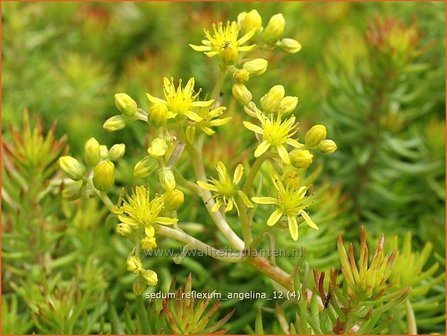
[65, 61]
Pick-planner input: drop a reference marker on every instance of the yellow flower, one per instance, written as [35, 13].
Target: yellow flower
[225, 42]
[225, 188]
[275, 133]
[141, 213]
[148, 243]
[179, 101]
[210, 117]
[290, 202]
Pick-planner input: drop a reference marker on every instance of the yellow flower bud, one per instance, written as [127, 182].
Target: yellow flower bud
[114, 123]
[327, 146]
[134, 264]
[145, 167]
[300, 158]
[104, 177]
[242, 94]
[241, 76]
[139, 286]
[173, 200]
[92, 152]
[249, 21]
[274, 30]
[158, 147]
[315, 135]
[288, 104]
[289, 45]
[190, 133]
[158, 115]
[117, 152]
[150, 277]
[148, 243]
[270, 101]
[167, 179]
[72, 190]
[256, 67]
[72, 167]
[123, 229]
[125, 104]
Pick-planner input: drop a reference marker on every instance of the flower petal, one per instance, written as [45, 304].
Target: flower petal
[253, 127]
[222, 171]
[238, 172]
[166, 220]
[247, 48]
[155, 100]
[262, 148]
[212, 53]
[202, 103]
[207, 186]
[245, 199]
[274, 217]
[294, 143]
[220, 122]
[207, 130]
[265, 200]
[217, 205]
[283, 154]
[247, 36]
[293, 227]
[193, 116]
[149, 231]
[308, 220]
[229, 206]
[200, 48]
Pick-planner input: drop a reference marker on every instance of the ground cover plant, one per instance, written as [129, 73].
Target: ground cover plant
[223, 168]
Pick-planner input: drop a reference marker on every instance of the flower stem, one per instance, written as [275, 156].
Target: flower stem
[245, 222]
[198, 245]
[207, 199]
[253, 172]
[273, 272]
[219, 84]
[101, 194]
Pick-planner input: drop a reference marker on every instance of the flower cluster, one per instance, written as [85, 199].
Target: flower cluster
[100, 177]
[138, 216]
[235, 40]
[180, 120]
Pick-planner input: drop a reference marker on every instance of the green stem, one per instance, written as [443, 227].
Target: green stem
[101, 194]
[411, 319]
[260, 235]
[194, 188]
[219, 84]
[253, 172]
[245, 222]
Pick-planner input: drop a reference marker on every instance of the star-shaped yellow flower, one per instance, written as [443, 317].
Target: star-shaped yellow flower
[142, 213]
[275, 134]
[180, 100]
[290, 202]
[225, 42]
[225, 188]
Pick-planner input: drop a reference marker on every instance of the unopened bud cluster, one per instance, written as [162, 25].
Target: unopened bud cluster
[98, 169]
